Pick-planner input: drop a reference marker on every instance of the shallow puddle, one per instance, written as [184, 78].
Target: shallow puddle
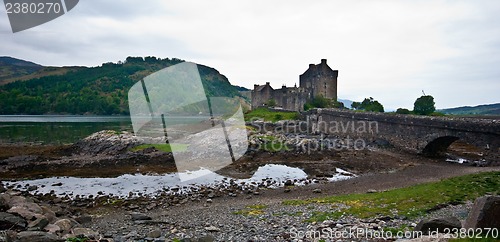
[270, 176]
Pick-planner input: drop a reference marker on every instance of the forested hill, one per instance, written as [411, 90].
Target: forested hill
[99, 90]
[12, 67]
[487, 109]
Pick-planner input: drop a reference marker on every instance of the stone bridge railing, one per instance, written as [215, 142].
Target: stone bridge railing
[421, 134]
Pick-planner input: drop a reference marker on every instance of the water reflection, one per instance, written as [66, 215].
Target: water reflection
[65, 129]
[270, 175]
[56, 129]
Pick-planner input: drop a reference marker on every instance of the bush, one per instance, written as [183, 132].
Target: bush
[437, 114]
[403, 111]
[271, 103]
[322, 102]
[369, 104]
[424, 105]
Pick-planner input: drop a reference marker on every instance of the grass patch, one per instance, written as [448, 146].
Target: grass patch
[410, 202]
[162, 147]
[77, 239]
[272, 116]
[252, 210]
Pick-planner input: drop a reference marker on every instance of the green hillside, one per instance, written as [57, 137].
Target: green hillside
[94, 90]
[488, 109]
[12, 68]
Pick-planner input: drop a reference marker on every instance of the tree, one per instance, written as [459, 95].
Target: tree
[356, 105]
[322, 102]
[424, 105]
[403, 111]
[337, 104]
[271, 103]
[369, 104]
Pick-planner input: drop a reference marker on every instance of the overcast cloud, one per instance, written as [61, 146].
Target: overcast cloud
[390, 50]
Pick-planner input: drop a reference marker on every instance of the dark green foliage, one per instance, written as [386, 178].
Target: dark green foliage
[437, 114]
[322, 102]
[337, 104]
[369, 104]
[99, 90]
[424, 105]
[403, 111]
[216, 84]
[271, 103]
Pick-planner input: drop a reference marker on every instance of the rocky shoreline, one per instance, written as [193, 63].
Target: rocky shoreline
[233, 210]
[254, 215]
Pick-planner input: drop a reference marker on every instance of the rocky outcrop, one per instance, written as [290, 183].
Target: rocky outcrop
[101, 154]
[11, 221]
[438, 224]
[485, 213]
[38, 236]
[106, 142]
[22, 218]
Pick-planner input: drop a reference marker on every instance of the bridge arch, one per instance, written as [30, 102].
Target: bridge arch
[439, 145]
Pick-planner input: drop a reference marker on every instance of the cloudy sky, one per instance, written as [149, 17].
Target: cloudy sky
[390, 50]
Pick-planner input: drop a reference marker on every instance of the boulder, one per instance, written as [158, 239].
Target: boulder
[438, 224]
[25, 208]
[11, 221]
[23, 212]
[484, 213]
[37, 236]
[85, 232]
[52, 228]
[106, 142]
[140, 216]
[6, 236]
[64, 224]
[154, 233]
[4, 204]
[15, 200]
[39, 223]
[49, 214]
[83, 219]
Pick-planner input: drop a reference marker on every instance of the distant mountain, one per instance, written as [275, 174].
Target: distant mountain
[12, 67]
[488, 109]
[90, 90]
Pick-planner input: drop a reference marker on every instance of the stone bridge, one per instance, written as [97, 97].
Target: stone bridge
[420, 134]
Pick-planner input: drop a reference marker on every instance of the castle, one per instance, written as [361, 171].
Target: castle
[318, 80]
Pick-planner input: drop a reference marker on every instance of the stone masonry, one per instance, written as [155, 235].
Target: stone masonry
[317, 80]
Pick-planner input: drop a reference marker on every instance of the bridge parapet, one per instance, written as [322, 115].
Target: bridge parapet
[421, 134]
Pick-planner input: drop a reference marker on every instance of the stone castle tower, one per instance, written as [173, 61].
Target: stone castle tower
[321, 80]
[318, 80]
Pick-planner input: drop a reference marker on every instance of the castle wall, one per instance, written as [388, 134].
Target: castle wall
[318, 80]
[291, 98]
[261, 94]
